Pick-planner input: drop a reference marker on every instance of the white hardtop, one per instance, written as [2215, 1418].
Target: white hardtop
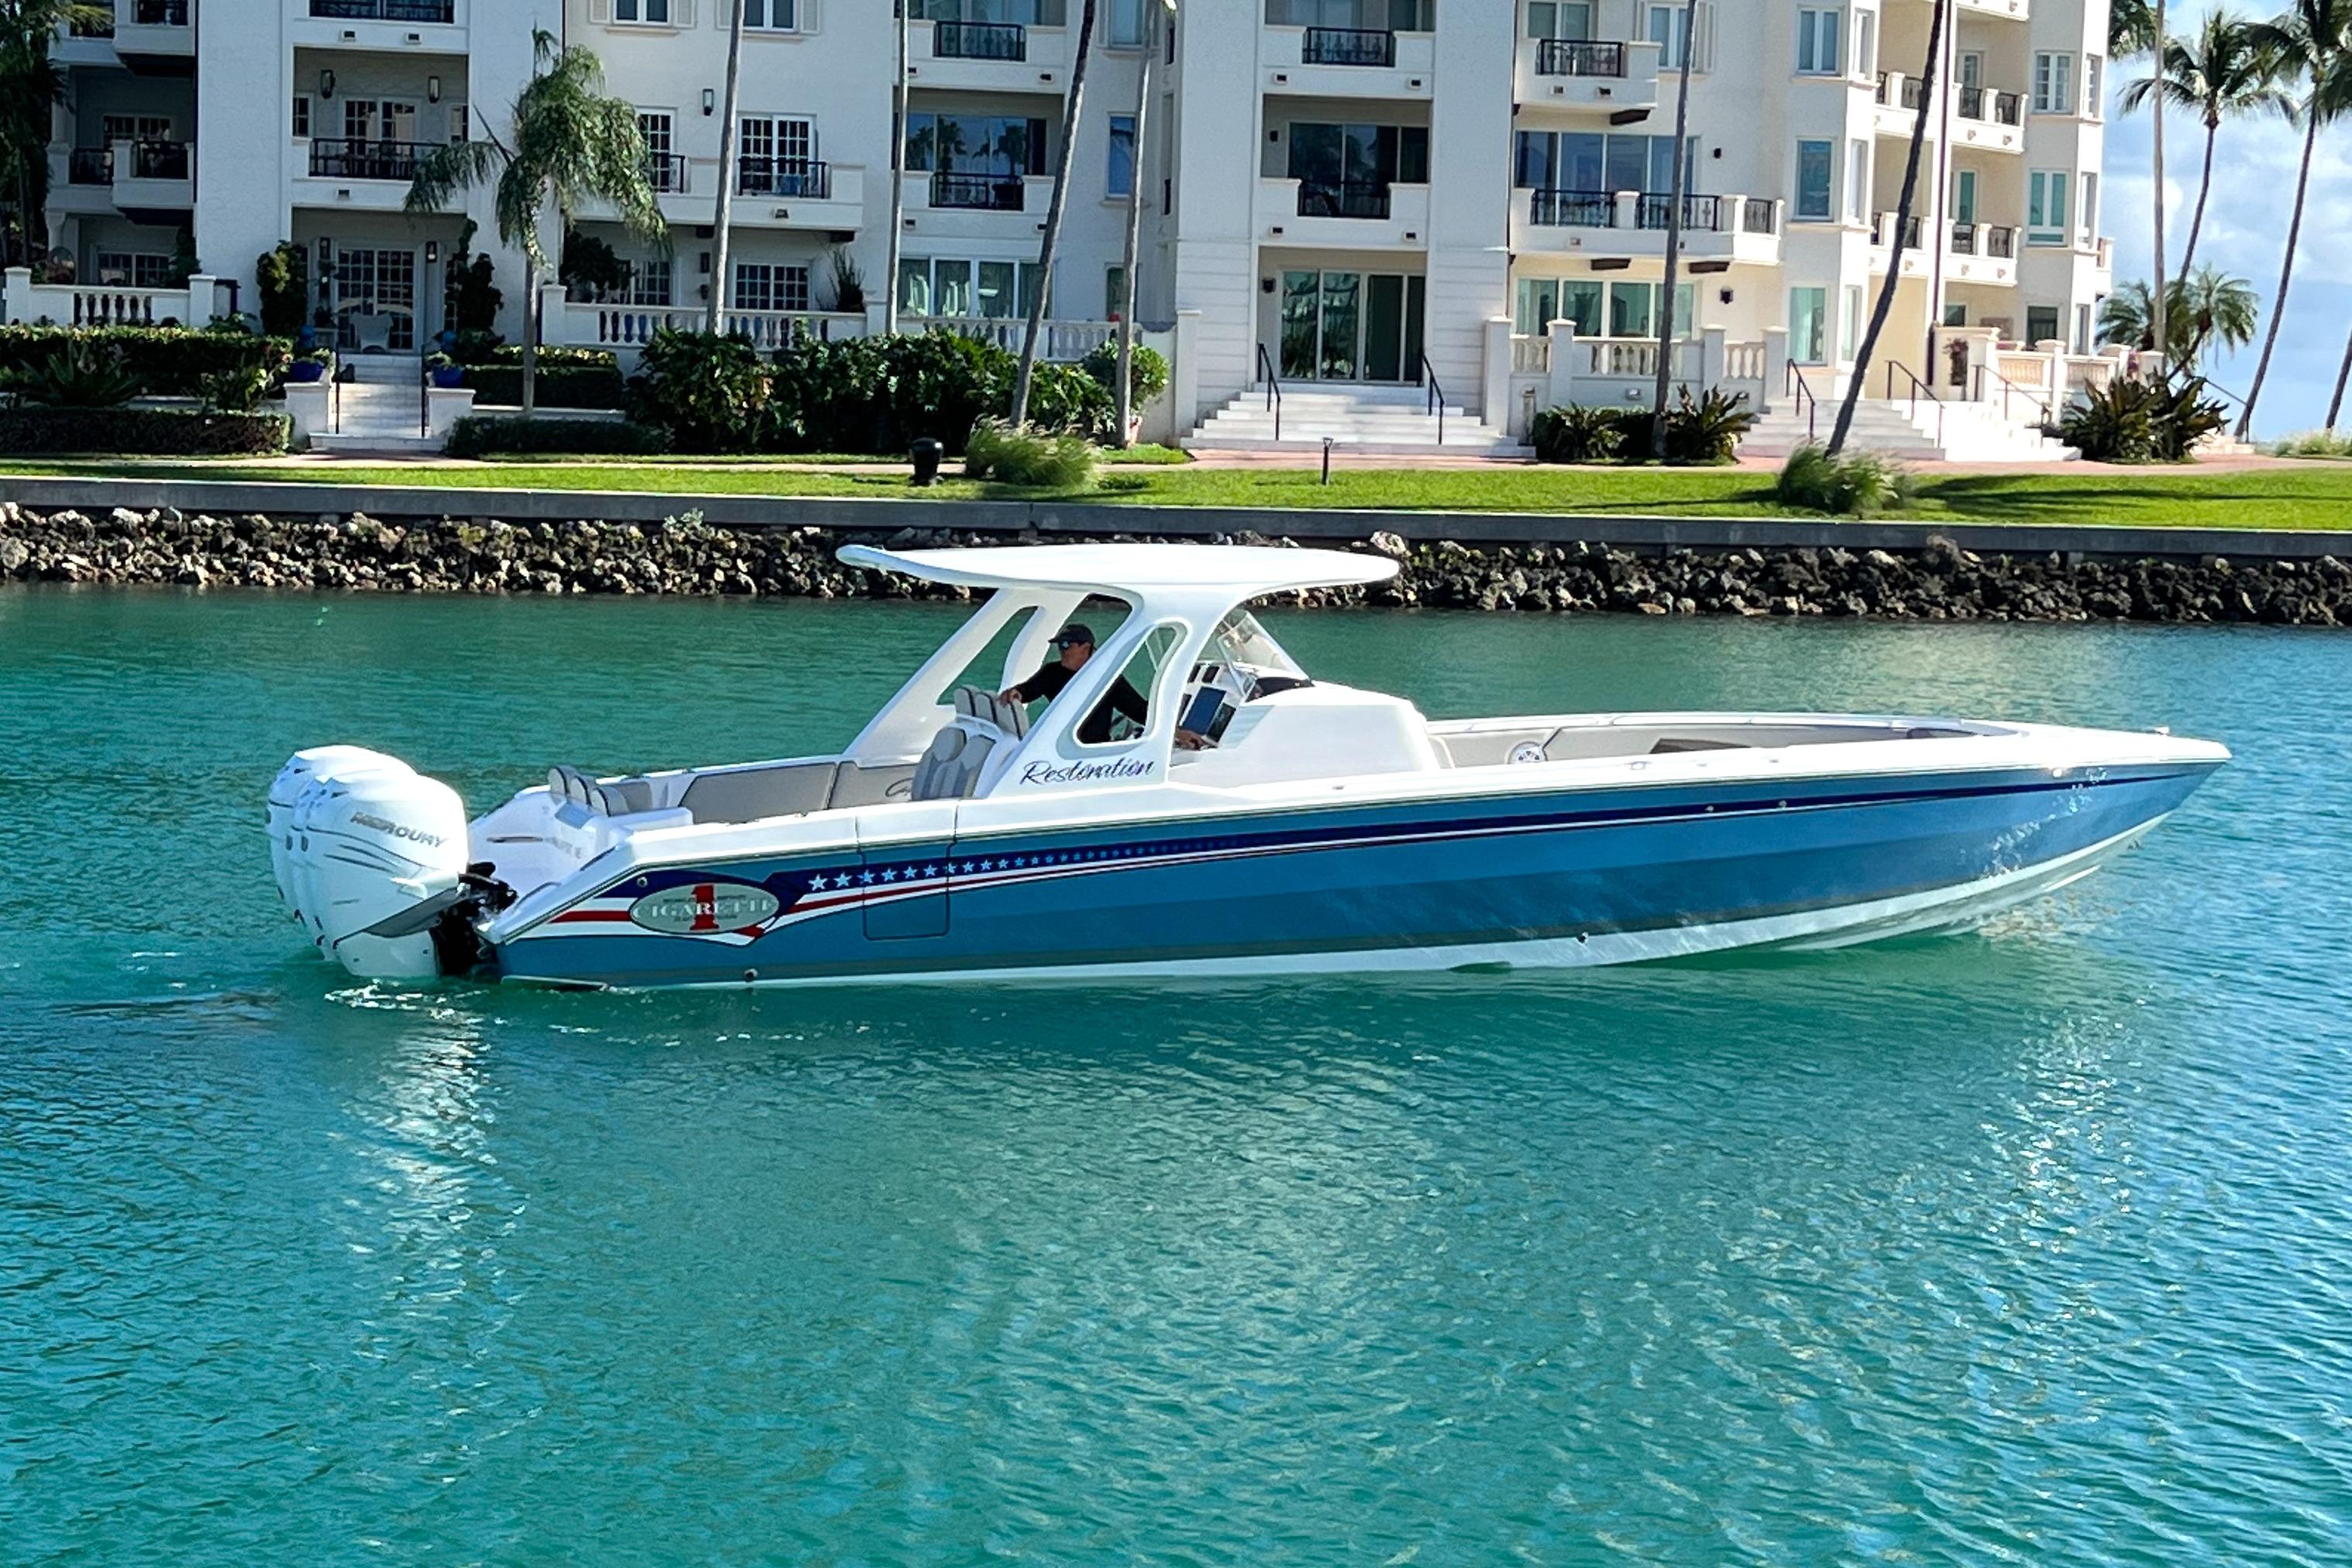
[1139, 573]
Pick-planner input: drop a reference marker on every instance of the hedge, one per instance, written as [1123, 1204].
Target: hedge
[479, 435]
[140, 432]
[169, 362]
[560, 386]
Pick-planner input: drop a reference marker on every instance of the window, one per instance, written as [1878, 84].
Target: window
[134, 270]
[1127, 22]
[1817, 42]
[655, 127]
[1850, 341]
[1809, 326]
[1559, 19]
[1964, 195]
[2045, 206]
[301, 115]
[135, 128]
[2041, 323]
[1590, 161]
[1665, 28]
[1332, 159]
[649, 281]
[1114, 294]
[950, 144]
[771, 15]
[1543, 300]
[763, 286]
[1865, 43]
[1857, 180]
[1122, 179]
[1814, 181]
[775, 158]
[2094, 103]
[2090, 214]
[655, 12]
[961, 287]
[458, 122]
[2053, 84]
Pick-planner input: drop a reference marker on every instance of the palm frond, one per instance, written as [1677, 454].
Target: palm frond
[444, 170]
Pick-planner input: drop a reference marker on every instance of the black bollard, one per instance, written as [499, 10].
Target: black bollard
[925, 454]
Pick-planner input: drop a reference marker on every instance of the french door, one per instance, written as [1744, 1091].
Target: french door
[375, 299]
[1351, 326]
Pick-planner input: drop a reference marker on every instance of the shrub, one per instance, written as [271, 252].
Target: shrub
[139, 432]
[560, 385]
[2129, 421]
[78, 375]
[236, 389]
[849, 282]
[589, 264]
[1860, 484]
[1707, 429]
[282, 277]
[996, 451]
[1066, 399]
[166, 362]
[470, 297]
[479, 435]
[707, 392]
[1147, 371]
[878, 395]
[1578, 433]
[2313, 444]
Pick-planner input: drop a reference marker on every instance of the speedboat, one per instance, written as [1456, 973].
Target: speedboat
[1256, 820]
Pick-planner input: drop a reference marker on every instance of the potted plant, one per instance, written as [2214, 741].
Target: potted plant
[311, 366]
[445, 370]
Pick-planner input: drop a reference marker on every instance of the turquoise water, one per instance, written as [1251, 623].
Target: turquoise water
[2027, 1247]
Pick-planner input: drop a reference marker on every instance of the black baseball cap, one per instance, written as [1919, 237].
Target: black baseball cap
[1073, 636]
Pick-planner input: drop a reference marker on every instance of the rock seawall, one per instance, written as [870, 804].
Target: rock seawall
[686, 557]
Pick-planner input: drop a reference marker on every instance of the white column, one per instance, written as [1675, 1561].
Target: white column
[1184, 408]
[1775, 365]
[17, 294]
[1495, 385]
[1563, 391]
[1714, 345]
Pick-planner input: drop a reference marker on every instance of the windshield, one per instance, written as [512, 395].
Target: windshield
[1240, 640]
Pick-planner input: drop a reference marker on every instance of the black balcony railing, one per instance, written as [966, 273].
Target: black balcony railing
[1342, 199]
[1759, 216]
[1883, 86]
[162, 13]
[160, 159]
[1654, 208]
[2008, 108]
[1912, 230]
[386, 10]
[1578, 56]
[1348, 47]
[90, 166]
[1972, 103]
[986, 192]
[2001, 242]
[1573, 209]
[1964, 239]
[343, 158]
[980, 41]
[809, 178]
[1913, 90]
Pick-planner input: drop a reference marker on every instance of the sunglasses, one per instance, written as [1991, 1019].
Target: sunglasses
[1072, 642]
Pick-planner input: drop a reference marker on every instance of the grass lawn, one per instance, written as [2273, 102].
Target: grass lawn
[2315, 497]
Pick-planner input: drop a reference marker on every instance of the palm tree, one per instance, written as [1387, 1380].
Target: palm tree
[2207, 310]
[2131, 28]
[569, 145]
[2309, 41]
[30, 84]
[1123, 388]
[1054, 216]
[723, 214]
[898, 171]
[1674, 237]
[2162, 296]
[2218, 73]
[1878, 314]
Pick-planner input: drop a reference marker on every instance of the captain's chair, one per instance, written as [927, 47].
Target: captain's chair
[952, 765]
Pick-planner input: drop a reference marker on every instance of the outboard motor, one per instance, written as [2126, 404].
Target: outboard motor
[371, 857]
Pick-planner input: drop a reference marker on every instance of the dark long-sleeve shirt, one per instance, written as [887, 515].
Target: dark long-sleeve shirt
[1121, 699]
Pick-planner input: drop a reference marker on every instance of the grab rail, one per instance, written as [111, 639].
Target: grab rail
[1917, 386]
[1436, 404]
[1273, 389]
[2009, 391]
[1796, 387]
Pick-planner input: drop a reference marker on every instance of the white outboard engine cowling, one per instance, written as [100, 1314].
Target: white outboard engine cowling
[371, 855]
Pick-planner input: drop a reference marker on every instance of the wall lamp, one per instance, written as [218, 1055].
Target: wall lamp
[432, 252]
[432, 89]
[326, 84]
[709, 102]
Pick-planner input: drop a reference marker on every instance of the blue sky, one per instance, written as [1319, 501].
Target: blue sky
[2245, 233]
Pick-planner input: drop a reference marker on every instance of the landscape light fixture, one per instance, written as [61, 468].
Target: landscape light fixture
[326, 84]
[432, 89]
[709, 102]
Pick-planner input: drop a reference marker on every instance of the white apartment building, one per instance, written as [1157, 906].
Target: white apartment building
[1344, 195]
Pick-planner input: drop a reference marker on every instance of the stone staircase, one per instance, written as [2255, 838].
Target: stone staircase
[381, 409]
[1950, 432]
[1381, 421]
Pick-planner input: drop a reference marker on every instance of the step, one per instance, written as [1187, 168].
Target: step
[349, 442]
[1499, 446]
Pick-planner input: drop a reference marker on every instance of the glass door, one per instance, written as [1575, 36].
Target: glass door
[375, 299]
[1343, 296]
[1302, 318]
[1351, 326]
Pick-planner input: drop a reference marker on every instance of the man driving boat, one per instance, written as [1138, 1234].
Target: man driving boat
[1073, 645]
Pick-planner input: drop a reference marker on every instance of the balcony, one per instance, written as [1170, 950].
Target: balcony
[90, 166]
[799, 193]
[1576, 73]
[1364, 215]
[153, 36]
[150, 181]
[1915, 261]
[439, 11]
[357, 175]
[408, 26]
[1632, 224]
[980, 193]
[1346, 62]
[964, 205]
[1348, 47]
[668, 173]
[1988, 119]
[979, 41]
[807, 177]
[1980, 253]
